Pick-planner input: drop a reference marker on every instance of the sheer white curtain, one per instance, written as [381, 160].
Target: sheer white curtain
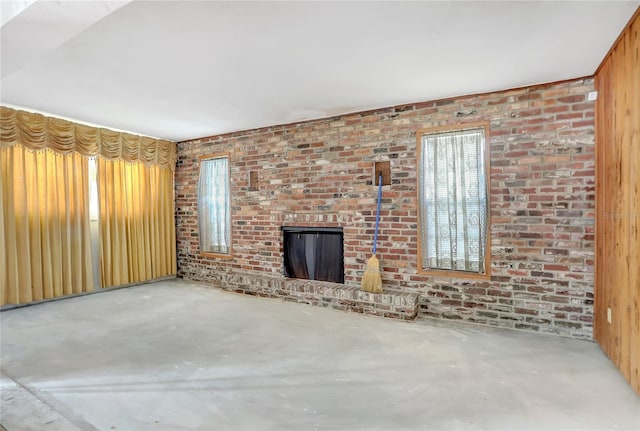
[454, 208]
[214, 212]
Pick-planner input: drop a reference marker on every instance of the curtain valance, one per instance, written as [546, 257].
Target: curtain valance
[38, 132]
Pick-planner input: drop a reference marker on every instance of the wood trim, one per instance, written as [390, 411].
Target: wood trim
[254, 181]
[599, 261]
[221, 155]
[218, 255]
[458, 127]
[454, 274]
[382, 168]
[487, 256]
[617, 234]
[624, 30]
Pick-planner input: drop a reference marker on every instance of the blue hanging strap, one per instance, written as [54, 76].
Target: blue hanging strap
[375, 236]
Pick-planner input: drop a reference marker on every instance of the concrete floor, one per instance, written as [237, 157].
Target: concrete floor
[175, 355]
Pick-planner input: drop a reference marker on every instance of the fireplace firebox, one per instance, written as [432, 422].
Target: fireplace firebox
[313, 253]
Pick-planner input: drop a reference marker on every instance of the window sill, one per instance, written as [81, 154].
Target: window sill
[454, 274]
[216, 255]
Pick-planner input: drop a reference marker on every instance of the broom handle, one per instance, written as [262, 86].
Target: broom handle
[375, 235]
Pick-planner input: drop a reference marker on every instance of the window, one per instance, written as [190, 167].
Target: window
[94, 202]
[214, 205]
[453, 190]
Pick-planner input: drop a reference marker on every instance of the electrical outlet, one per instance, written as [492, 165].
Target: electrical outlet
[608, 314]
[593, 95]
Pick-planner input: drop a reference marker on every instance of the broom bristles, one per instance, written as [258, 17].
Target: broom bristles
[371, 280]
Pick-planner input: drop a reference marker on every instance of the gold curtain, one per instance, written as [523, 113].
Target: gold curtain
[44, 225]
[37, 132]
[137, 232]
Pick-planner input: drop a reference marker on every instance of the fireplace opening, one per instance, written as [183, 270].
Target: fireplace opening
[313, 253]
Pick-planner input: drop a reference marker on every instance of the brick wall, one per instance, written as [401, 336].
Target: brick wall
[320, 173]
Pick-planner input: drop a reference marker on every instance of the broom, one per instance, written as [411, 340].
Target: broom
[371, 280]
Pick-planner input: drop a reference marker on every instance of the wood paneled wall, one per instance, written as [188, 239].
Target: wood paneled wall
[618, 204]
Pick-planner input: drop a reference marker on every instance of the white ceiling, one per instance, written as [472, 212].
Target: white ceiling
[185, 69]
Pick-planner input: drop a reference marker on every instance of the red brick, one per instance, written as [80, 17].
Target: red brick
[542, 165]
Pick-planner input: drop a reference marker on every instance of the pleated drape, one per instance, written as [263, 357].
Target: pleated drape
[137, 232]
[37, 132]
[45, 233]
[44, 225]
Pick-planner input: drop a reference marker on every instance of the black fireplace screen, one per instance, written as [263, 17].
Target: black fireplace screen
[313, 253]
